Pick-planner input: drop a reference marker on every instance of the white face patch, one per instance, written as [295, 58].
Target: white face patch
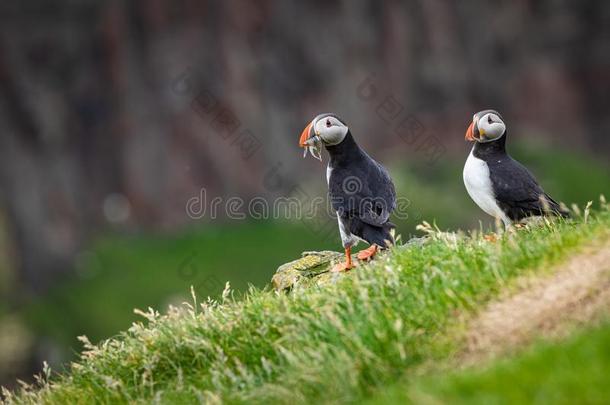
[330, 130]
[491, 127]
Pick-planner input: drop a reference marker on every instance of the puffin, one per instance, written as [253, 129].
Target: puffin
[360, 189]
[498, 184]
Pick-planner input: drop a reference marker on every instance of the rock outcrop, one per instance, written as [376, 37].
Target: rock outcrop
[314, 268]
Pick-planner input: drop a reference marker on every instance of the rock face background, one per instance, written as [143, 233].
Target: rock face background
[98, 131]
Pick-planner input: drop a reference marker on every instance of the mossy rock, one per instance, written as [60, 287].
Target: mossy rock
[305, 271]
[313, 268]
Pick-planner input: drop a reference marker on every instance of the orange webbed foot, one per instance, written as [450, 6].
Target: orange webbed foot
[347, 264]
[368, 253]
[342, 267]
[492, 237]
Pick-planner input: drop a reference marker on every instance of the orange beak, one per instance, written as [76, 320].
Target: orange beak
[469, 133]
[305, 135]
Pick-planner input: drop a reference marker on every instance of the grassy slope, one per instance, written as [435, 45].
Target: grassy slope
[560, 372]
[343, 342]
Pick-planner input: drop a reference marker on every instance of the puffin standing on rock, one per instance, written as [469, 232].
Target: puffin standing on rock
[360, 189]
[497, 183]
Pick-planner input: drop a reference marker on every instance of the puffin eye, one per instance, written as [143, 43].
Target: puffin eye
[328, 124]
[489, 120]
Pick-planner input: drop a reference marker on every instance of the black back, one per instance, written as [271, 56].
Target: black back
[516, 190]
[360, 189]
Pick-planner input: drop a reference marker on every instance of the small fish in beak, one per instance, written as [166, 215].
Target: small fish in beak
[311, 142]
[314, 146]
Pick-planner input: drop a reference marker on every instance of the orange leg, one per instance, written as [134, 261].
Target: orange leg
[492, 237]
[368, 253]
[347, 265]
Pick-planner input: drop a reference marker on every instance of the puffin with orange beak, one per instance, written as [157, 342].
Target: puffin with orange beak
[497, 183]
[360, 189]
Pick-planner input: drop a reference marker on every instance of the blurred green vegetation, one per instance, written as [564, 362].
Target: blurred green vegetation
[120, 273]
[565, 372]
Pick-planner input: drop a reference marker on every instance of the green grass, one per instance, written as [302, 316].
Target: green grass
[343, 342]
[560, 372]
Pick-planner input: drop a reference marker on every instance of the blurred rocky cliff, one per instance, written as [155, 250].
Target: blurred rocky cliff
[115, 114]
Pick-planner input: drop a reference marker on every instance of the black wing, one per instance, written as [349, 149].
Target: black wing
[517, 191]
[364, 190]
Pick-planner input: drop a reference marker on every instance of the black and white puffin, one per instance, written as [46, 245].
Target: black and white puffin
[360, 189]
[497, 183]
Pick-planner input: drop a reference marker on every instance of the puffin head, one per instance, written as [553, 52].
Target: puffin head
[486, 126]
[325, 129]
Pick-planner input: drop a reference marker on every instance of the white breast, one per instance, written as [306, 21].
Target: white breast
[479, 187]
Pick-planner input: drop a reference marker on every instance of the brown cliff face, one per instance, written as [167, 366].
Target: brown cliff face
[104, 124]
